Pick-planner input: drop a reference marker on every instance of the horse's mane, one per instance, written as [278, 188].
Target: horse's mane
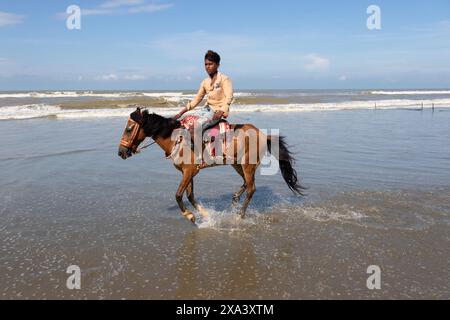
[156, 126]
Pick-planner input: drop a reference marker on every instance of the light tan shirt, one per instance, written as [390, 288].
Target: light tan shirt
[220, 94]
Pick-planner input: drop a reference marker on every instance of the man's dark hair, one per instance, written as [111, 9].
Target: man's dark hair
[212, 56]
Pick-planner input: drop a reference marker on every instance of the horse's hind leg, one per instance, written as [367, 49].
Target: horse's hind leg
[237, 195]
[191, 198]
[249, 173]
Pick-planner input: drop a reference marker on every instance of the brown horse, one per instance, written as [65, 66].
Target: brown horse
[245, 155]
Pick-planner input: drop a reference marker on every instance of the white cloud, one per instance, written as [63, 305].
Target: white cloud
[192, 45]
[316, 63]
[108, 77]
[116, 77]
[134, 77]
[183, 78]
[120, 7]
[242, 54]
[343, 78]
[119, 3]
[150, 8]
[94, 12]
[10, 19]
[444, 24]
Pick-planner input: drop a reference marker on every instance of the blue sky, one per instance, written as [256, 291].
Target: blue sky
[145, 45]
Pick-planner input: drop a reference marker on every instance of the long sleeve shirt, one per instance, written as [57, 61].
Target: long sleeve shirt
[220, 94]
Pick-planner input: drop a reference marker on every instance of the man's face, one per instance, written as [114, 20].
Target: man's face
[211, 67]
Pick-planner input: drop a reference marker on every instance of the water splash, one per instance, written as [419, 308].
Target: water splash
[228, 220]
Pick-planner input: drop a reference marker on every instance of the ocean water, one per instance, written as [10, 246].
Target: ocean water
[378, 193]
[93, 104]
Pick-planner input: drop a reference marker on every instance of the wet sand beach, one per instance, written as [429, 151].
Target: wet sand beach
[378, 194]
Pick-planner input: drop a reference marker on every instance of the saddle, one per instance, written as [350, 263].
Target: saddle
[212, 136]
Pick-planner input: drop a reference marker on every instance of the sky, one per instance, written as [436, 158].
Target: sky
[154, 45]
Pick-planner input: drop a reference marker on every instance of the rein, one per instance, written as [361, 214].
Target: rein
[145, 147]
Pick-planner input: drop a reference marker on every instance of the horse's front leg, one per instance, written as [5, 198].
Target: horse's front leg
[191, 198]
[185, 181]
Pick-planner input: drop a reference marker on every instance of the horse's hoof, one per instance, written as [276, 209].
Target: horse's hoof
[190, 216]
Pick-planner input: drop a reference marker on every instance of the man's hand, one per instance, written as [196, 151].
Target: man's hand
[180, 114]
[218, 115]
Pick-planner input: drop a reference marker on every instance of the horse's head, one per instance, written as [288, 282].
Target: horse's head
[133, 135]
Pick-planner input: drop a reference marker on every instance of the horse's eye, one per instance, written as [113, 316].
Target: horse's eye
[130, 128]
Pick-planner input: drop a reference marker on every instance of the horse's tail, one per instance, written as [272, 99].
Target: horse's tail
[286, 161]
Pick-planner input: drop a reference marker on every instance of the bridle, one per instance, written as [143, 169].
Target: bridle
[127, 140]
[131, 131]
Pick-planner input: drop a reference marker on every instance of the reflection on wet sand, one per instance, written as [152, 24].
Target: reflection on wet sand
[209, 267]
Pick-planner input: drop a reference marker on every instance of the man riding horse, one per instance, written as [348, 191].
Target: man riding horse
[219, 89]
[245, 149]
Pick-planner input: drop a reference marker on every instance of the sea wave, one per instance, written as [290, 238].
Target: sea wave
[347, 105]
[170, 96]
[411, 92]
[28, 111]
[80, 94]
[45, 110]
[42, 110]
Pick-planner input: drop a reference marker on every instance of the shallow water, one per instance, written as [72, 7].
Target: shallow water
[378, 194]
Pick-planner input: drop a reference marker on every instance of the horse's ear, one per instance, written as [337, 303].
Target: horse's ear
[137, 116]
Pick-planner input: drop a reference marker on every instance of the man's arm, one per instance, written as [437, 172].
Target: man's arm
[198, 98]
[227, 87]
[192, 104]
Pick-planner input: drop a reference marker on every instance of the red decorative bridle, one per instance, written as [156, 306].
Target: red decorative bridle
[130, 134]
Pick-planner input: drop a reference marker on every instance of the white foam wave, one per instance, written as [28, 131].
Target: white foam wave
[43, 110]
[55, 94]
[347, 105]
[410, 92]
[169, 96]
[243, 94]
[77, 94]
[28, 111]
[110, 113]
